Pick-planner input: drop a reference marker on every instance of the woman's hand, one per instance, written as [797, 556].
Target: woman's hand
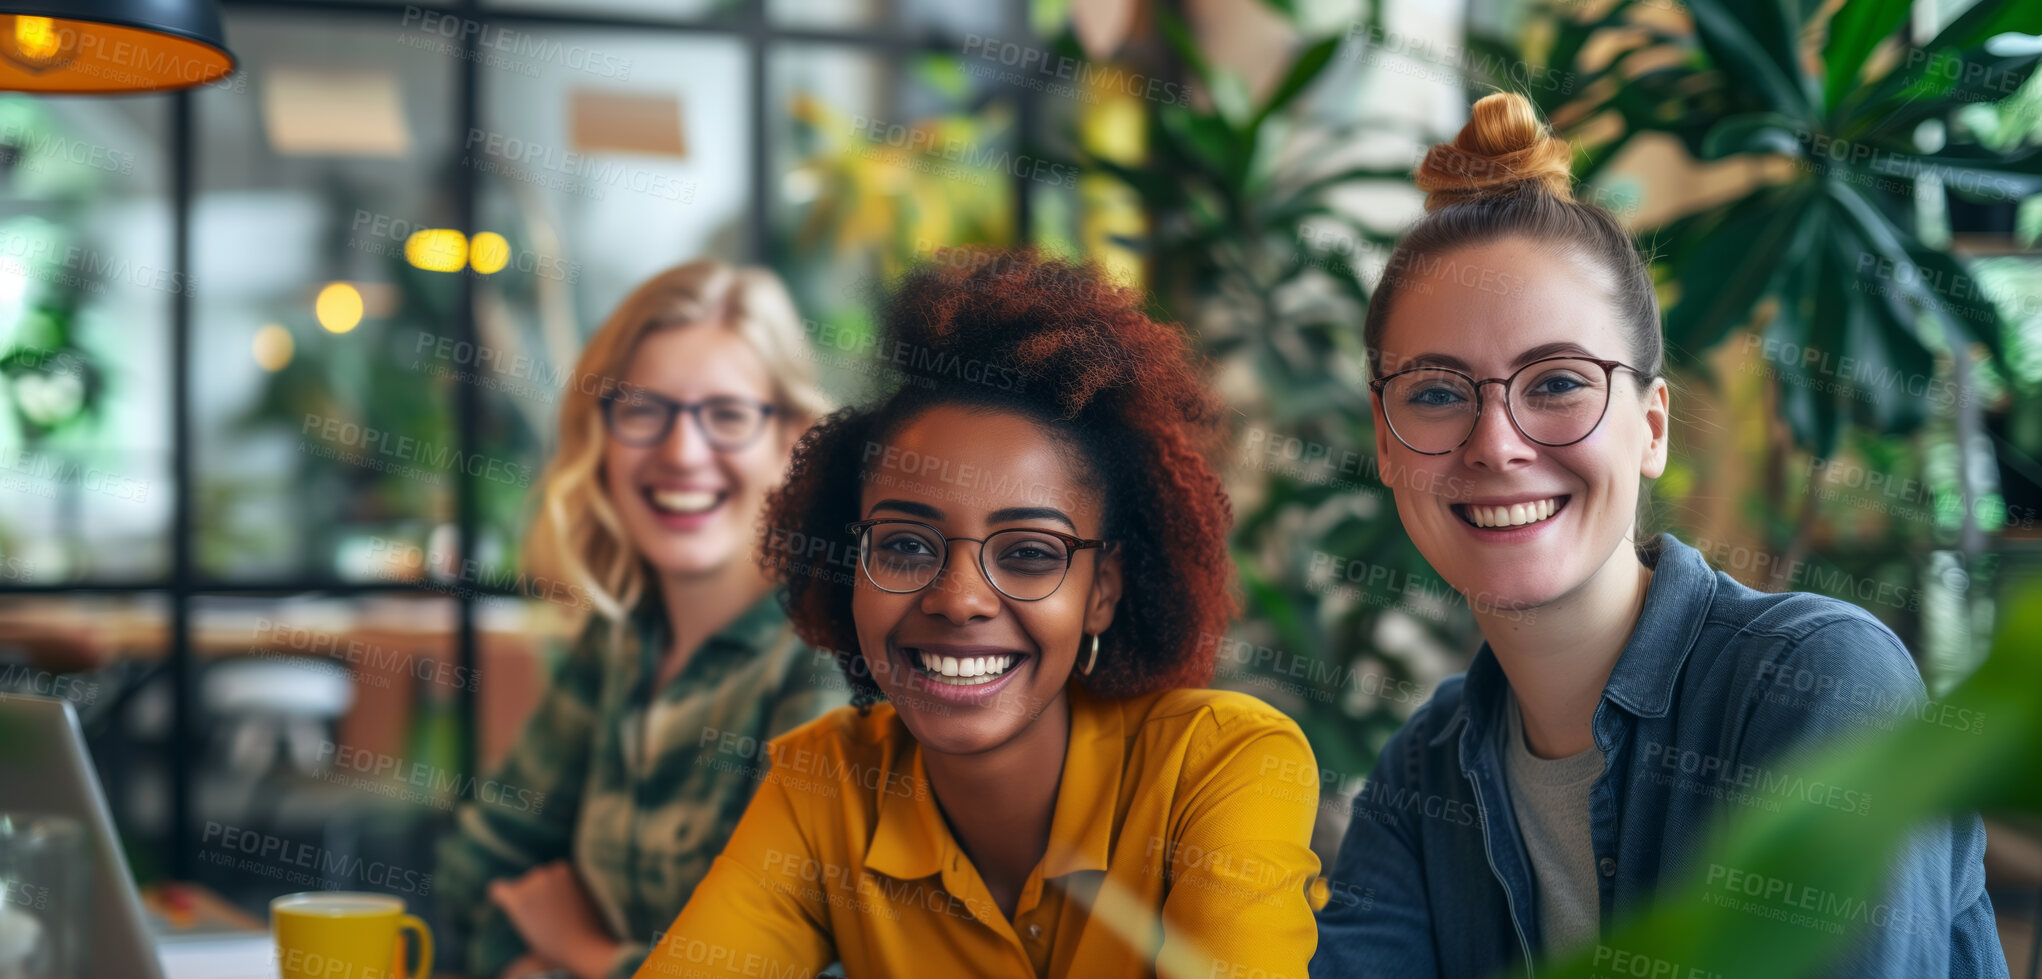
[557, 920]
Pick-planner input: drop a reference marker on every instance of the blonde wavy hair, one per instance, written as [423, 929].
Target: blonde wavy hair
[577, 536]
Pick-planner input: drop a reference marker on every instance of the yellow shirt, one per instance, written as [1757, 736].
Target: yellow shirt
[1178, 847]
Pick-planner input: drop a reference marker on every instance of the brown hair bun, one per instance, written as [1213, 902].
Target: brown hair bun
[1504, 149]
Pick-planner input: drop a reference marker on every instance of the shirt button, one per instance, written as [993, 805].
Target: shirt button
[1034, 931]
[1608, 866]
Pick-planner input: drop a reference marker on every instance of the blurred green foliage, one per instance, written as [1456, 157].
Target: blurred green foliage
[1886, 345]
[51, 380]
[1837, 247]
[375, 376]
[1249, 252]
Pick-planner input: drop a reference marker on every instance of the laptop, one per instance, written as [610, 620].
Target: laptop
[46, 769]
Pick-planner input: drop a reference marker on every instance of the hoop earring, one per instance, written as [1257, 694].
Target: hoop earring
[1094, 659]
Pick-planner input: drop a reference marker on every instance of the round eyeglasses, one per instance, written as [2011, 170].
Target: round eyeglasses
[1556, 401]
[1026, 565]
[641, 418]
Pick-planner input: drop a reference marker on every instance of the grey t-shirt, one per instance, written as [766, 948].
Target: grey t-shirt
[1550, 797]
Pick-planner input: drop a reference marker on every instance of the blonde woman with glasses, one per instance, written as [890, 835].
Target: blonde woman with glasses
[679, 417]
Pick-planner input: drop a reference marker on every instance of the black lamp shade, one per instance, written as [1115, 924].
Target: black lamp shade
[110, 47]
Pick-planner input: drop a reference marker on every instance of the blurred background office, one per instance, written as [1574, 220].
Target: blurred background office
[279, 356]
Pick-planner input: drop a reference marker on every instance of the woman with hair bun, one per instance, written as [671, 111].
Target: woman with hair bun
[1022, 553]
[1625, 690]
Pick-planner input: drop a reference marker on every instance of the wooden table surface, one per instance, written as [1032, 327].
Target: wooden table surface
[384, 643]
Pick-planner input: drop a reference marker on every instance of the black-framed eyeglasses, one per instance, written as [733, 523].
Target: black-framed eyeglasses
[1024, 564]
[1433, 410]
[642, 418]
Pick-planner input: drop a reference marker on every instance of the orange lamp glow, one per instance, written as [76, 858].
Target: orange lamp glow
[36, 40]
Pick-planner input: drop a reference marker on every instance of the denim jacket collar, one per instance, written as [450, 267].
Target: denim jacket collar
[1686, 685]
[1677, 605]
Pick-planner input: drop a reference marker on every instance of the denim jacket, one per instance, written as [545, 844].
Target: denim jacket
[1432, 878]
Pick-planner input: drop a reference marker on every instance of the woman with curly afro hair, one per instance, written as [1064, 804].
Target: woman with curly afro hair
[1022, 552]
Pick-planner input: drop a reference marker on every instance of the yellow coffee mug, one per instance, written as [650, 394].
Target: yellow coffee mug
[346, 935]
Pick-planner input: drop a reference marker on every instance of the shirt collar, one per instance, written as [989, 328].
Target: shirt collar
[905, 844]
[911, 840]
[1081, 831]
[1481, 709]
[1676, 607]
[753, 631]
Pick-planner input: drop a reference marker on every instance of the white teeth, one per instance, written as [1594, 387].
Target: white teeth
[1514, 514]
[968, 671]
[684, 501]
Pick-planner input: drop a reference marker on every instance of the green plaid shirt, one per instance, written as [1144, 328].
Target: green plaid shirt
[639, 798]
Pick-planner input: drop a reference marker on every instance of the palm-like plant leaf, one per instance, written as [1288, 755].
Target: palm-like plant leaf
[1741, 88]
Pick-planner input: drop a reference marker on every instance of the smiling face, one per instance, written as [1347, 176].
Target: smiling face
[690, 509]
[1507, 521]
[967, 667]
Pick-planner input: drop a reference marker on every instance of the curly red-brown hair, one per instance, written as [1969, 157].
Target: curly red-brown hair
[1060, 344]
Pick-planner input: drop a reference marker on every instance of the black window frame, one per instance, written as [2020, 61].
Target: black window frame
[183, 584]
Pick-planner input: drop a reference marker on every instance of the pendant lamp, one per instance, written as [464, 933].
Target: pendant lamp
[110, 47]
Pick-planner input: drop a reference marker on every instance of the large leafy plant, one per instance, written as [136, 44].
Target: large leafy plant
[1830, 254]
[1247, 248]
[1830, 265]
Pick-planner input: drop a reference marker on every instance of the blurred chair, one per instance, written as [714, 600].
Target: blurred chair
[269, 713]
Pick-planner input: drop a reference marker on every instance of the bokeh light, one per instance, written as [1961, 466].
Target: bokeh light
[489, 253]
[437, 249]
[273, 347]
[339, 307]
